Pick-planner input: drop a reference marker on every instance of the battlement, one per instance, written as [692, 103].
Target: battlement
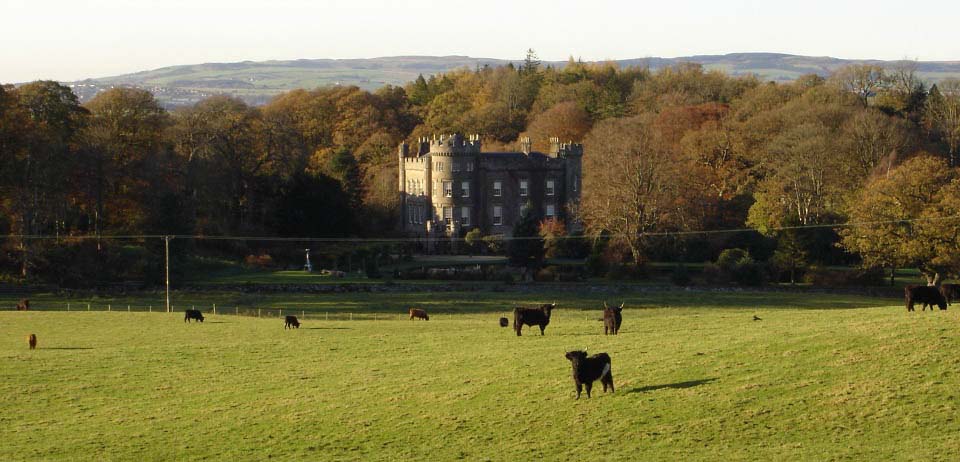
[453, 144]
[563, 150]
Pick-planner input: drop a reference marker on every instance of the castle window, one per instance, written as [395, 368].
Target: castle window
[456, 167]
[448, 217]
[497, 215]
[410, 213]
[448, 188]
[469, 166]
[465, 187]
[497, 189]
[439, 166]
[551, 211]
[523, 188]
[550, 187]
[465, 216]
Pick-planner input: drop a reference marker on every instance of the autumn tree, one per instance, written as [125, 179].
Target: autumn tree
[943, 115]
[124, 139]
[861, 80]
[633, 184]
[902, 220]
[566, 121]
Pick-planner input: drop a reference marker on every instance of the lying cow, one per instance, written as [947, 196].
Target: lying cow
[290, 322]
[23, 305]
[417, 313]
[504, 322]
[927, 295]
[192, 314]
[950, 292]
[588, 369]
[612, 318]
[532, 317]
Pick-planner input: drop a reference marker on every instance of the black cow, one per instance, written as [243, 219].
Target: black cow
[291, 322]
[927, 295]
[192, 314]
[532, 317]
[504, 322]
[588, 369]
[612, 318]
[950, 292]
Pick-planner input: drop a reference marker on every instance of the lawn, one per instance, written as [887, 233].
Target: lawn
[818, 377]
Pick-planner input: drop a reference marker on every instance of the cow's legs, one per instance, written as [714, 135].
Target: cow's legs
[589, 386]
[542, 327]
[579, 389]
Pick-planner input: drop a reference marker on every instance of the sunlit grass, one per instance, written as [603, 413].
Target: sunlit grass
[693, 383]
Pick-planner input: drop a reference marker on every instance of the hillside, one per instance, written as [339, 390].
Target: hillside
[257, 82]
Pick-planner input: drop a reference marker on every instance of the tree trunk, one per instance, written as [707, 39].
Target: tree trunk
[893, 274]
[932, 280]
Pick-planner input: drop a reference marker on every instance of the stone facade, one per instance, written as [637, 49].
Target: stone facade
[449, 186]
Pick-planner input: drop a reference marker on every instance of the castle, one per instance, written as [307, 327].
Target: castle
[450, 186]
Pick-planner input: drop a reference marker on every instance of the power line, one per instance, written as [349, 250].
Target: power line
[389, 240]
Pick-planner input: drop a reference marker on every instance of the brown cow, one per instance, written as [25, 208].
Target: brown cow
[418, 314]
[24, 305]
[532, 317]
[927, 295]
[612, 318]
[950, 292]
[32, 341]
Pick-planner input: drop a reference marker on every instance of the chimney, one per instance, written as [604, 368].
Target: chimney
[525, 145]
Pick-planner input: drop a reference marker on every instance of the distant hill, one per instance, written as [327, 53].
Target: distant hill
[257, 82]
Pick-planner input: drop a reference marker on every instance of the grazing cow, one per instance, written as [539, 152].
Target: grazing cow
[504, 322]
[950, 292]
[192, 314]
[588, 369]
[612, 318]
[291, 322]
[927, 295]
[32, 341]
[532, 317]
[23, 305]
[418, 314]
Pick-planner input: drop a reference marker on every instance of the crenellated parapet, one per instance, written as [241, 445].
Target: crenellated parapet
[563, 150]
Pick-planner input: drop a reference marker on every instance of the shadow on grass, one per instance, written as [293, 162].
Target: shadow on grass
[218, 322]
[675, 386]
[328, 328]
[64, 348]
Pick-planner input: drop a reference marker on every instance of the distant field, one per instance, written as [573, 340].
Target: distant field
[697, 379]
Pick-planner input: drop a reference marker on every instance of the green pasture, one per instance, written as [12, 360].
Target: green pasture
[817, 378]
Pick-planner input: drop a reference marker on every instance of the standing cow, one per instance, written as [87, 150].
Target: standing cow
[588, 369]
[417, 313]
[532, 317]
[290, 322]
[927, 295]
[950, 292]
[612, 318]
[189, 315]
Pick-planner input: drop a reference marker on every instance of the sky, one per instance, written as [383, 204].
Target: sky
[75, 39]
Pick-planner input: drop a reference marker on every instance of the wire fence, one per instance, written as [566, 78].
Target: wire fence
[215, 309]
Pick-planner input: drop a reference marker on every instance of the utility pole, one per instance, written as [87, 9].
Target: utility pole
[166, 255]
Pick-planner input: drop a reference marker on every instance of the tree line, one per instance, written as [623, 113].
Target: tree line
[675, 150]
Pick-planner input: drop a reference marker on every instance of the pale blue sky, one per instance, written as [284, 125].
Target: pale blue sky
[74, 39]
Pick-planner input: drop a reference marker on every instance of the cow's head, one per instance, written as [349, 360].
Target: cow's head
[576, 355]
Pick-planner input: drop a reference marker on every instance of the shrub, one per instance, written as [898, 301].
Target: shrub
[259, 261]
[824, 277]
[680, 275]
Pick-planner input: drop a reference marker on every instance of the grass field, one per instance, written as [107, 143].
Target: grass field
[818, 378]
